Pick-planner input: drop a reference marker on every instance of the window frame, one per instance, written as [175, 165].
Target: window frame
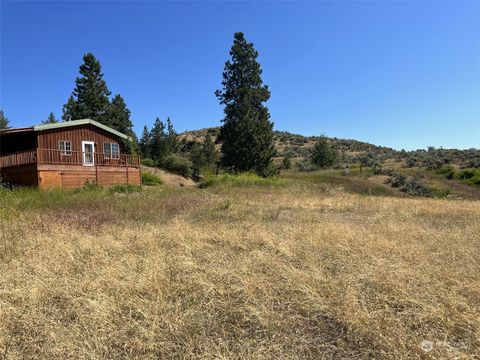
[64, 151]
[110, 154]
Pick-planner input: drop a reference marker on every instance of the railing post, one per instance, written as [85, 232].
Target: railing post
[126, 167]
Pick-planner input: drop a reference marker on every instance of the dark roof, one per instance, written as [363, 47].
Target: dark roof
[15, 130]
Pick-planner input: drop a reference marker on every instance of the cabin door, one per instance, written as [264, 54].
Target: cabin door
[88, 151]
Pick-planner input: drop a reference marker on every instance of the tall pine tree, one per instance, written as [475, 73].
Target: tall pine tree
[145, 143]
[4, 123]
[158, 143]
[118, 116]
[247, 132]
[171, 138]
[51, 119]
[209, 151]
[90, 97]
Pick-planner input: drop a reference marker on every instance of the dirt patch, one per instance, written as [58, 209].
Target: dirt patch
[169, 178]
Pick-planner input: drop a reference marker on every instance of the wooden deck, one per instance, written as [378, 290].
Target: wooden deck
[56, 157]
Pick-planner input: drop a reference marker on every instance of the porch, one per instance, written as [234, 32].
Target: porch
[62, 157]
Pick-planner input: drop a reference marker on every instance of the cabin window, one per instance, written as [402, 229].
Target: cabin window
[111, 150]
[65, 147]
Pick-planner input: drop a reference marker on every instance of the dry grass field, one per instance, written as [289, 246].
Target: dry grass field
[257, 272]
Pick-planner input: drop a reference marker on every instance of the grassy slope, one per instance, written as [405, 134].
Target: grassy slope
[291, 269]
[365, 183]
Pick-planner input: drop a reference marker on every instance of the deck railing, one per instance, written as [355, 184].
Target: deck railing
[61, 157]
[18, 158]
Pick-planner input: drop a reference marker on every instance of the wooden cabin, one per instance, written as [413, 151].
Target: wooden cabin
[66, 154]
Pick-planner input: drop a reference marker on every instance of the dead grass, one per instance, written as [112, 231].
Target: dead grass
[168, 177]
[240, 272]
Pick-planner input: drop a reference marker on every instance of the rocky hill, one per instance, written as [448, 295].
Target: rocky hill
[351, 151]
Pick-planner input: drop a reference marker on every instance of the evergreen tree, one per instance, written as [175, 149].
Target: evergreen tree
[145, 143]
[203, 156]
[158, 143]
[71, 107]
[172, 138]
[323, 155]
[197, 159]
[118, 116]
[209, 152]
[50, 119]
[247, 132]
[90, 96]
[4, 123]
[162, 141]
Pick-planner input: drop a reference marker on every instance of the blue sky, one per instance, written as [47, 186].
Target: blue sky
[399, 74]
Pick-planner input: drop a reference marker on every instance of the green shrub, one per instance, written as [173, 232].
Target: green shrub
[270, 170]
[150, 179]
[287, 161]
[416, 188]
[397, 180]
[125, 188]
[323, 154]
[410, 185]
[148, 162]
[410, 162]
[88, 186]
[439, 192]
[470, 176]
[4, 188]
[178, 164]
[447, 171]
[466, 174]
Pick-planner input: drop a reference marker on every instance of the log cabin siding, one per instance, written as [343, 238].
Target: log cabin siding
[49, 139]
[72, 176]
[44, 165]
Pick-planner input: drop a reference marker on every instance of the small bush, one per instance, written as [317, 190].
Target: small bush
[410, 163]
[271, 170]
[150, 179]
[410, 185]
[470, 176]
[416, 188]
[4, 188]
[89, 186]
[125, 188]
[148, 162]
[447, 171]
[397, 180]
[439, 192]
[307, 166]
[466, 174]
[178, 164]
[287, 162]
